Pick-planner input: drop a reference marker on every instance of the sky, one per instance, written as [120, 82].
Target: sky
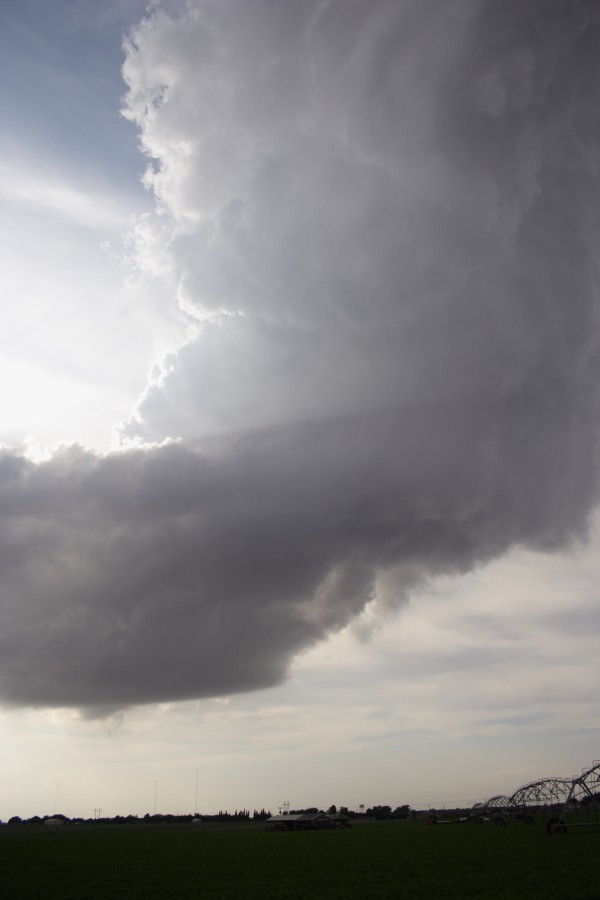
[299, 346]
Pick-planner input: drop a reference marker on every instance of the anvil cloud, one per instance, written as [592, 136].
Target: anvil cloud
[383, 217]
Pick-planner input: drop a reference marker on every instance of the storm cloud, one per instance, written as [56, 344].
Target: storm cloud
[383, 218]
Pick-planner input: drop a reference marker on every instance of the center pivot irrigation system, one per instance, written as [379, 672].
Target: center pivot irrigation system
[567, 803]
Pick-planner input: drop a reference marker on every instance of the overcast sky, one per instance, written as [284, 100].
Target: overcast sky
[299, 354]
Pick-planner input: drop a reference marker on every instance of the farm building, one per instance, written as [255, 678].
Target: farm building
[300, 822]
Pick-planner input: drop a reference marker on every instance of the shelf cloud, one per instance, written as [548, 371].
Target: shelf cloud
[383, 218]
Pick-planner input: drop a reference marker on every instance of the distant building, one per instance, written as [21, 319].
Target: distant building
[300, 822]
[54, 821]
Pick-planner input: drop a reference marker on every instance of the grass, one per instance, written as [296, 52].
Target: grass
[391, 860]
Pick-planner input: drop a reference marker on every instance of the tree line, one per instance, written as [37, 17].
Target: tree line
[373, 812]
[239, 815]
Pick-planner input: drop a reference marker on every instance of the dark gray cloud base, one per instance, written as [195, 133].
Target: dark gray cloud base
[387, 214]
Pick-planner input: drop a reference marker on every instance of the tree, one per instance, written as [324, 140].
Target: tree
[380, 812]
[402, 812]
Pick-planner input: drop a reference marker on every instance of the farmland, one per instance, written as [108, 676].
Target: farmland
[373, 860]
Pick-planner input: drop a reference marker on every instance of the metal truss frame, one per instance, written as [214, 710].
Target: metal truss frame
[577, 799]
[582, 805]
[541, 794]
[498, 803]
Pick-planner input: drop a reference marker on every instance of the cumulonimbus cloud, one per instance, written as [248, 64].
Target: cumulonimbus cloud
[384, 218]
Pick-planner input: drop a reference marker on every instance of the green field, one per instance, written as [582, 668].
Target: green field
[372, 860]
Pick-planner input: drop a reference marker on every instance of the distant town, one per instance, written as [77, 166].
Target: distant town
[238, 816]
